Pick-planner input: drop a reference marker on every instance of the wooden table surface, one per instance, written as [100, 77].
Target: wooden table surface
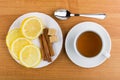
[62, 68]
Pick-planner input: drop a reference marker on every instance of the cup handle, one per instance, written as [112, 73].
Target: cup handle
[107, 55]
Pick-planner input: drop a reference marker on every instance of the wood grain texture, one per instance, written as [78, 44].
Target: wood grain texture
[62, 68]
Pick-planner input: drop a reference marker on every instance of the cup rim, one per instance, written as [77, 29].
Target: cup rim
[75, 42]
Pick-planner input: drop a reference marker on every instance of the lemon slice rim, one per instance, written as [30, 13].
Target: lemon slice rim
[25, 21]
[38, 60]
[12, 51]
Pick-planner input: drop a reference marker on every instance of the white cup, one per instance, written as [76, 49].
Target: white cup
[103, 39]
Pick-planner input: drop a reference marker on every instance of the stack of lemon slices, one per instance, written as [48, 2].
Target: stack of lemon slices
[19, 42]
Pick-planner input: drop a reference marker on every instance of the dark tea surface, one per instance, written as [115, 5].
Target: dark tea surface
[89, 44]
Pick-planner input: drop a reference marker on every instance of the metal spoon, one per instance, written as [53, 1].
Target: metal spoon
[64, 14]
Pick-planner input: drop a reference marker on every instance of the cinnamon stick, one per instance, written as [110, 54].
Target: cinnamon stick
[42, 48]
[45, 32]
[46, 49]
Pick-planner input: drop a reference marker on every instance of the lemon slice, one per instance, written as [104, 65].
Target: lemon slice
[12, 35]
[30, 56]
[31, 27]
[17, 45]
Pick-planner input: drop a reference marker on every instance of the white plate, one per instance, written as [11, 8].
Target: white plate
[81, 60]
[49, 22]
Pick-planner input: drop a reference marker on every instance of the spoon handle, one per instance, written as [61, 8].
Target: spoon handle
[97, 16]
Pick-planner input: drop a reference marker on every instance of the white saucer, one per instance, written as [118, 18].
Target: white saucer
[48, 22]
[80, 60]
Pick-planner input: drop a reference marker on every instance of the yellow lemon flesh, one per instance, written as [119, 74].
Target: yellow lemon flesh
[12, 35]
[17, 45]
[30, 56]
[31, 27]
